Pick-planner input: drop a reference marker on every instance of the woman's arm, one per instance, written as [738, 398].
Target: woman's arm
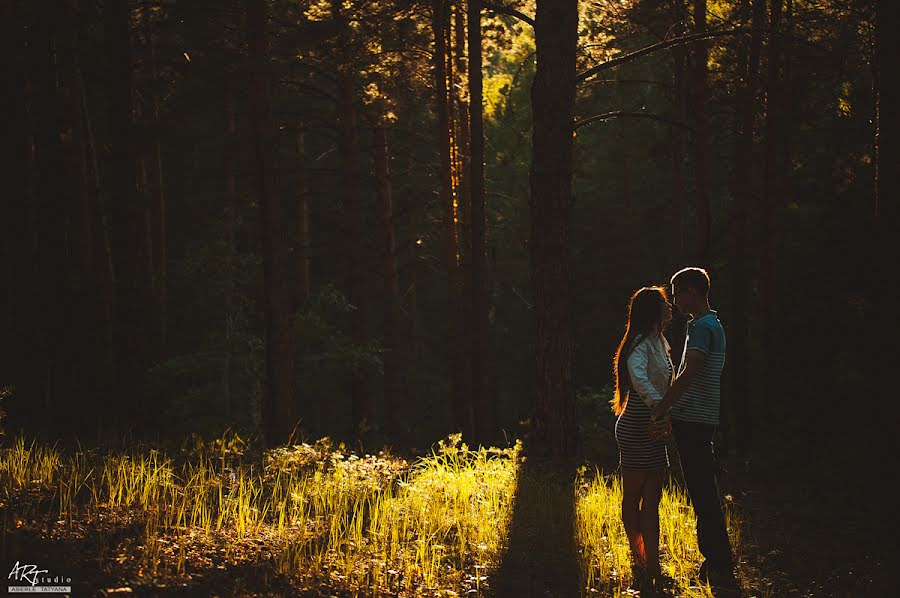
[640, 380]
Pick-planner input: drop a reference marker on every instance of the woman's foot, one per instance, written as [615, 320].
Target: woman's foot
[638, 577]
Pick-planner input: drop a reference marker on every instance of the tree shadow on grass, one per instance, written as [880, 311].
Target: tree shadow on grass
[541, 558]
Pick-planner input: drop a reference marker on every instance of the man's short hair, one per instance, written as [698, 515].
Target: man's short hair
[692, 278]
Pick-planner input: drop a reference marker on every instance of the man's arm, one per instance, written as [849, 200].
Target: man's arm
[693, 363]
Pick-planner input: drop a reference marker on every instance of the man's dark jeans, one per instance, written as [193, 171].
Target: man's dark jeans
[696, 454]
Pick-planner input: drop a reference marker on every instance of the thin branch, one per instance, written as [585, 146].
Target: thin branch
[685, 39]
[503, 10]
[620, 114]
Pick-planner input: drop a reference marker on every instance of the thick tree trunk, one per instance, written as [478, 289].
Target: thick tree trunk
[124, 230]
[393, 392]
[301, 221]
[554, 431]
[364, 422]
[483, 404]
[19, 360]
[280, 409]
[772, 194]
[887, 150]
[461, 402]
[158, 253]
[740, 283]
[230, 191]
[887, 171]
[700, 140]
[677, 144]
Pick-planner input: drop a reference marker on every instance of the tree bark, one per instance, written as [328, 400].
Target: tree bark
[158, 253]
[772, 194]
[393, 392]
[230, 191]
[19, 360]
[364, 422]
[740, 284]
[124, 230]
[887, 152]
[677, 144]
[553, 430]
[461, 403]
[301, 221]
[280, 409]
[483, 404]
[700, 140]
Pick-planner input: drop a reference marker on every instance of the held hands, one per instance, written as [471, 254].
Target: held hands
[660, 425]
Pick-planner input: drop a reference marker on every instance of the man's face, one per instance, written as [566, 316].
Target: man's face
[684, 299]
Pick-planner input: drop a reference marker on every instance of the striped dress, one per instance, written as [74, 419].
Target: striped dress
[636, 450]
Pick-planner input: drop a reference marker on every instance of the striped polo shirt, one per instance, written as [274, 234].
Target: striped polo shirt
[700, 402]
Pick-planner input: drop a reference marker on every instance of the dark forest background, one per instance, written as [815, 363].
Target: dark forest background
[250, 214]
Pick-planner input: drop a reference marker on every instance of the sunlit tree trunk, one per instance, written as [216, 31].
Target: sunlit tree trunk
[280, 410]
[700, 140]
[740, 282]
[553, 427]
[461, 403]
[483, 404]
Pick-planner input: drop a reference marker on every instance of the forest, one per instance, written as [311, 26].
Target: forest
[321, 297]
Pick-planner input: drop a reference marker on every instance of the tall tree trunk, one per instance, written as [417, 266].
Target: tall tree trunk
[677, 144]
[280, 409]
[18, 360]
[231, 206]
[887, 167]
[124, 216]
[700, 140]
[392, 384]
[411, 284]
[364, 421]
[461, 402]
[301, 221]
[887, 151]
[158, 253]
[740, 283]
[52, 200]
[554, 431]
[773, 194]
[484, 408]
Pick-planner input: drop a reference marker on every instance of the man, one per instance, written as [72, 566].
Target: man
[694, 399]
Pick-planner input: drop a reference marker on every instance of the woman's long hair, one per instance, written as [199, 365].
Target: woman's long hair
[644, 316]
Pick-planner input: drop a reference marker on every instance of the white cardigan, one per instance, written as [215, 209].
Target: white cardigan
[649, 367]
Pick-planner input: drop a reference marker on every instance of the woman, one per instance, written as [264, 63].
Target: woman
[643, 372]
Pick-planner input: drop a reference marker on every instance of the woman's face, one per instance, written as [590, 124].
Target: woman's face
[666, 315]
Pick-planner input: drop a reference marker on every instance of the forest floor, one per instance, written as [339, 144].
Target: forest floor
[806, 530]
[816, 501]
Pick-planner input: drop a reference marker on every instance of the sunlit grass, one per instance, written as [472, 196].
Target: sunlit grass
[332, 519]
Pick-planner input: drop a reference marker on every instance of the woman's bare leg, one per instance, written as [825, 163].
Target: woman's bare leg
[651, 493]
[632, 485]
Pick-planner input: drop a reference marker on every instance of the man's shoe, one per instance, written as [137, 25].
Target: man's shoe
[718, 578]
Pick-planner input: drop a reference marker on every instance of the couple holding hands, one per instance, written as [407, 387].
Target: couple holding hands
[652, 402]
